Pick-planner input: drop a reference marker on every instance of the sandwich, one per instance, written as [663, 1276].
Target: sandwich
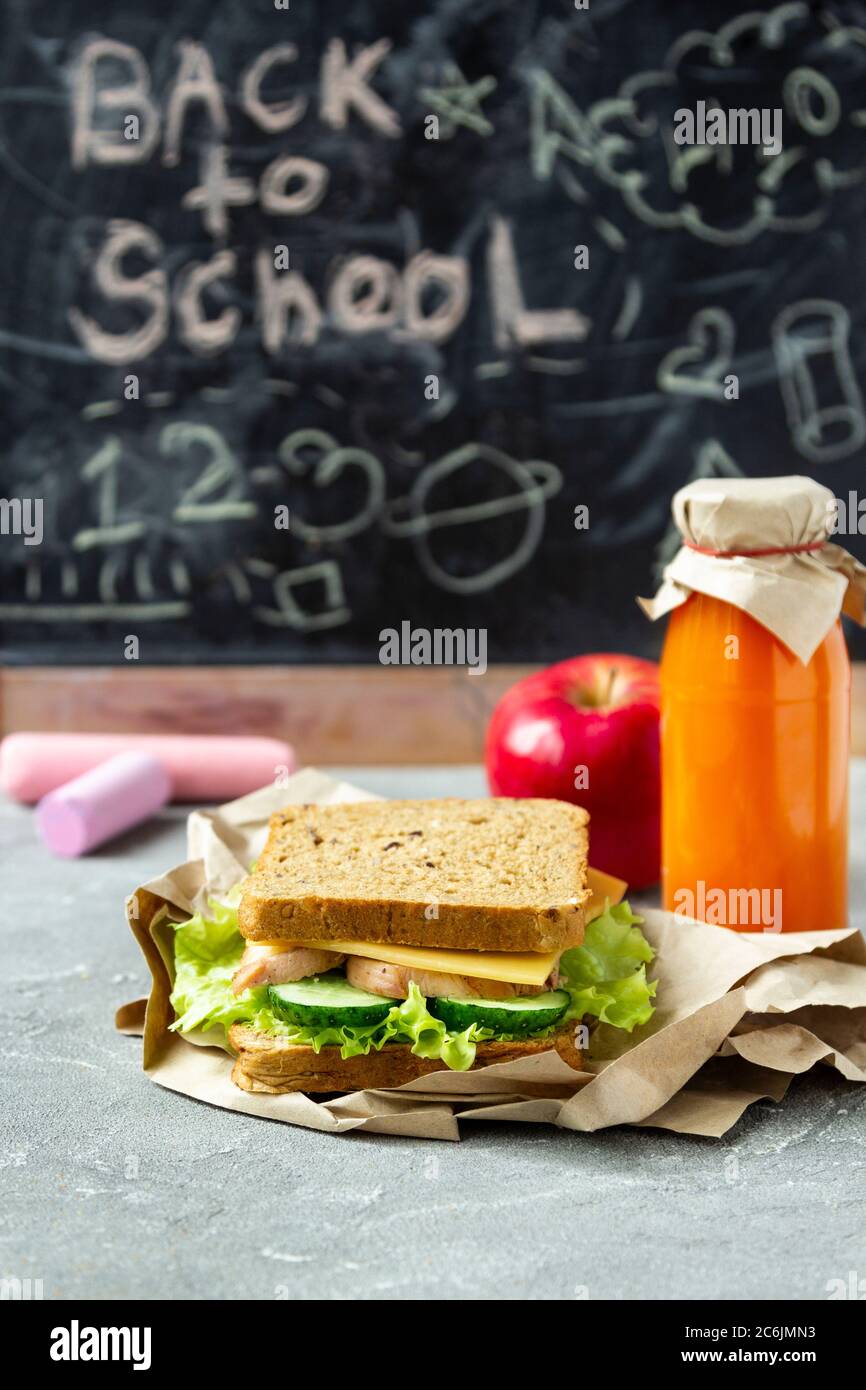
[374, 942]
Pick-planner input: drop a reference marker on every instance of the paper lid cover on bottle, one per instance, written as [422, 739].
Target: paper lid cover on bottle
[761, 544]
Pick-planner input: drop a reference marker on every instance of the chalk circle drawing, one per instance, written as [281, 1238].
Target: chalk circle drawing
[535, 482]
[328, 462]
[811, 334]
[812, 100]
[710, 348]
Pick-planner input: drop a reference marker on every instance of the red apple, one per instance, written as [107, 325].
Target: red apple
[587, 731]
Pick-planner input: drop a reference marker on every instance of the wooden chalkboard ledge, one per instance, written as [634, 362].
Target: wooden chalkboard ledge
[332, 714]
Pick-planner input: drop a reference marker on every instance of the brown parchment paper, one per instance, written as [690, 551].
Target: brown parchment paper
[796, 595]
[738, 1016]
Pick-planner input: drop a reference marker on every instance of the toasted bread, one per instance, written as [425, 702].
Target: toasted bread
[274, 1066]
[491, 875]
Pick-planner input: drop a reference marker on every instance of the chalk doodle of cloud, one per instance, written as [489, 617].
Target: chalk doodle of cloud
[724, 194]
[533, 484]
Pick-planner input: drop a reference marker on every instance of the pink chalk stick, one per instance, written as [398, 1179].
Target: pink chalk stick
[102, 803]
[202, 767]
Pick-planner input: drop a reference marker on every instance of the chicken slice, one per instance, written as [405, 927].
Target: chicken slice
[259, 967]
[393, 982]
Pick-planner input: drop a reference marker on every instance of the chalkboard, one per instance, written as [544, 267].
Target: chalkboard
[319, 317]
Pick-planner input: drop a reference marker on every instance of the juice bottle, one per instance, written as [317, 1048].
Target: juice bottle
[754, 773]
[755, 707]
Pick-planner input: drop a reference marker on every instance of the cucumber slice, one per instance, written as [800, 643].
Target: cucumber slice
[328, 1001]
[526, 1014]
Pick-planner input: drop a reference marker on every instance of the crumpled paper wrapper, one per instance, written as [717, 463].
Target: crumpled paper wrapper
[738, 1016]
[796, 596]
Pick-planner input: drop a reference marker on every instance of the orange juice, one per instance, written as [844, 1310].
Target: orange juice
[754, 773]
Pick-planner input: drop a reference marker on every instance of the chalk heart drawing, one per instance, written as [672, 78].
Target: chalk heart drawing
[708, 353]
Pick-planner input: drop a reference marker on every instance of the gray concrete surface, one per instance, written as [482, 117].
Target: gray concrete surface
[113, 1188]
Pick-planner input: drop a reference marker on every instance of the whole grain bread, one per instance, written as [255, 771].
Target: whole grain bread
[492, 875]
[275, 1066]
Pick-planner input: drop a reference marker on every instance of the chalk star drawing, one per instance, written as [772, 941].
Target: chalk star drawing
[458, 102]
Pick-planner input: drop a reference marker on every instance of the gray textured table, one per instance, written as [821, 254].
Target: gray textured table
[114, 1188]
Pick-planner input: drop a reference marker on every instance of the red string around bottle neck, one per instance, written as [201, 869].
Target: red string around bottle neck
[754, 554]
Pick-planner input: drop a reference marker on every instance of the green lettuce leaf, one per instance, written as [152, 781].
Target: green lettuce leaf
[606, 976]
[207, 952]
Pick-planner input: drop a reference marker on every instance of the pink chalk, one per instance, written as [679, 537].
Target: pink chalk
[202, 767]
[102, 803]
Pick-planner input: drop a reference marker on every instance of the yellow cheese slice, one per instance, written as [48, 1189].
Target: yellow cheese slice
[515, 967]
[602, 887]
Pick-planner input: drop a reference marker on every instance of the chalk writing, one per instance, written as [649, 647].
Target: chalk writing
[294, 323]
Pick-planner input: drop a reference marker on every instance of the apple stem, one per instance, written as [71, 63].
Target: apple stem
[611, 680]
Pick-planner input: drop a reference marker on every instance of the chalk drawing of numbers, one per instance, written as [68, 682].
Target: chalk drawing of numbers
[809, 338]
[317, 454]
[102, 470]
[699, 366]
[217, 492]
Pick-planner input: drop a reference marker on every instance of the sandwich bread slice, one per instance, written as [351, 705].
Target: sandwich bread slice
[494, 875]
[377, 941]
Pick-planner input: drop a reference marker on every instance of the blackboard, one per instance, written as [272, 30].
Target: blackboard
[413, 438]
